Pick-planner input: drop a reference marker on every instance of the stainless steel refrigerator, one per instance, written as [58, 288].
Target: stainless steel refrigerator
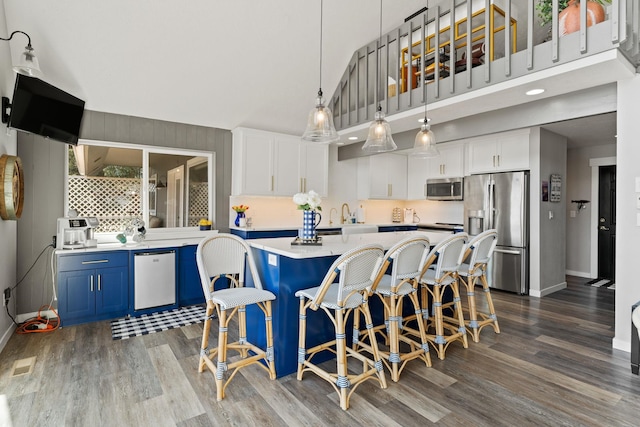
[501, 201]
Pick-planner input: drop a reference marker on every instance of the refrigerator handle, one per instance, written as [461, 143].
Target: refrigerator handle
[492, 204]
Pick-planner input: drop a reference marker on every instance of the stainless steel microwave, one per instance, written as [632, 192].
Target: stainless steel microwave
[445, 188]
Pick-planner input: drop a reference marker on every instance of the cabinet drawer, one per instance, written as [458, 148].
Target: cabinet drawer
[92, 260]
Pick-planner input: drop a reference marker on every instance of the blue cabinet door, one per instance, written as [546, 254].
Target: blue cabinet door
[111, 292]
[76, 300]
[189, 289]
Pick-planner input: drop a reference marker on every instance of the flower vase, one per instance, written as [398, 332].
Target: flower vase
[310, 220]
[238, 216]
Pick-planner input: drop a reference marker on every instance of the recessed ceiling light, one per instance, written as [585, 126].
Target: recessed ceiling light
[341, 143]
[534, 92]
[353, 138]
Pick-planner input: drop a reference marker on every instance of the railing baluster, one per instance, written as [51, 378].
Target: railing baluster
[436, 53]
[531, 13]
[583, 26]
[554, 31]
[488, 40]
[507, 39]
[469, 47]
[452, 49]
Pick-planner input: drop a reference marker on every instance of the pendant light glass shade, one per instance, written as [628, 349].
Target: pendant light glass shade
[425, 143]
[379, 139]
[28, 63]
[320, 126]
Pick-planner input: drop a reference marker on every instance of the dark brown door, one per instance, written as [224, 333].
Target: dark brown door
[607, 223]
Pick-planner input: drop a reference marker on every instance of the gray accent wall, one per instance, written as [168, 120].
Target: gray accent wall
[43, 162]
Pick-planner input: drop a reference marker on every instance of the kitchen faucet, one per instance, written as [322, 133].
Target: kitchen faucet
[343, 219]
[330, 213]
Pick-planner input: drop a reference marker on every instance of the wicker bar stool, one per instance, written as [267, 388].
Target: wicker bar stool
[226, 255]
[405, 258]
[356, 271]
[440, 270]
[477, 256]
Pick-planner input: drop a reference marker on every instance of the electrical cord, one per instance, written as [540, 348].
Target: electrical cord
[39, 323]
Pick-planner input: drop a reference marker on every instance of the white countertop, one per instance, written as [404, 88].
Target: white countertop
[320, 227]
[155, 243]
[336, 245]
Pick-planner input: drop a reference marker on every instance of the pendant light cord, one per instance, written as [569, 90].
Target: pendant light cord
[320, 84]
[379, 60]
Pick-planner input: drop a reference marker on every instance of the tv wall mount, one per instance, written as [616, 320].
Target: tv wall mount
[6, 104]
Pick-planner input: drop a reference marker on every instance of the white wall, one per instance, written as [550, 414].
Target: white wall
[628, 229]
[579, 228]
[8, 229]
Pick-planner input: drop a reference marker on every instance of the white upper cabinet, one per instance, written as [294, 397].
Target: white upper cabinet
[314, 168]
[273, 164]
[382, 176]
[449, 164]
[501, 152]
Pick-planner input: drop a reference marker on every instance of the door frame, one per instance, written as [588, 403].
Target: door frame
[595, 184]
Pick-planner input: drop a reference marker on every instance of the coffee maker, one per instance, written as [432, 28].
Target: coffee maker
[76, 233]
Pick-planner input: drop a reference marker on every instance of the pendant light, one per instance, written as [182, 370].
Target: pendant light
[379, 139]
[425, 143]
[28, 63]
[320, 126]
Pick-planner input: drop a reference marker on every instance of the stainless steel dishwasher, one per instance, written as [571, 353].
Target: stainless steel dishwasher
[154, 280]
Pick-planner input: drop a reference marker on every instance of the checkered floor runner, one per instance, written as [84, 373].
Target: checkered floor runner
[156, 322]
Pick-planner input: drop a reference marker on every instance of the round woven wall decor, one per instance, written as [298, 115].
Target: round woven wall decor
[11, 188]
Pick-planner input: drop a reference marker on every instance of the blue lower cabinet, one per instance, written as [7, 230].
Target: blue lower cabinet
[92, 286]
[263, 234]
[388, 228]
[189, 288]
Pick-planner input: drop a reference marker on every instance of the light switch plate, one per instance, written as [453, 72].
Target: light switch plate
[637, 184]
[638, 200]
[550, 214]
[572, 214]
[272, 260]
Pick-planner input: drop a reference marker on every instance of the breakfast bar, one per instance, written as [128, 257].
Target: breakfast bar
[284, 269]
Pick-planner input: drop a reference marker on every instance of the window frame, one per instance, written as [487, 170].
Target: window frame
[146, 151]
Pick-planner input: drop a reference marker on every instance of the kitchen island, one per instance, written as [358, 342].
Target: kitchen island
[284, 269]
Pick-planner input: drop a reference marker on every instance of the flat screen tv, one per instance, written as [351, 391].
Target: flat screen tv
[42, 109]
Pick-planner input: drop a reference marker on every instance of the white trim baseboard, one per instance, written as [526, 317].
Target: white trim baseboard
[585, 274]
[49, 314]
[7, 335]
[548, 291]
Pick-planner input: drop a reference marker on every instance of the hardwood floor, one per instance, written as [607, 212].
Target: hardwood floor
[552, 365]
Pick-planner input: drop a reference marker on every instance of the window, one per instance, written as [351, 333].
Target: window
[116, 183]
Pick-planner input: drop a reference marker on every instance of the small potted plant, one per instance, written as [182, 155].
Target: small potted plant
[569, 13]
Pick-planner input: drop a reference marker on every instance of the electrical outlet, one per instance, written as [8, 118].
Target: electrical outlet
[7, 296]
[53, 241]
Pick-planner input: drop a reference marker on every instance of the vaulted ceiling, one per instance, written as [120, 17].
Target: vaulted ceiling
[222, 64]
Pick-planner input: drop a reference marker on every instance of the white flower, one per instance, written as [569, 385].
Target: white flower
[300, 199]
[308, 201]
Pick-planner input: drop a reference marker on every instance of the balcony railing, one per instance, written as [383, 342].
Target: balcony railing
[481, 43]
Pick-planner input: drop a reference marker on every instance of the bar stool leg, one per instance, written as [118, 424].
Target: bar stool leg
[221, 366]
[439, 321]
[492, 310]
[302, 333]
[204, 352]
[268, 320]
[341, 358]
[458, 308]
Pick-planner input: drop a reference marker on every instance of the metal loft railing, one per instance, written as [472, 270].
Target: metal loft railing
[483, 42]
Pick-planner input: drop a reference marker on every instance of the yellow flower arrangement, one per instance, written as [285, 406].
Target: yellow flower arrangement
[204, 222]
[240, 208]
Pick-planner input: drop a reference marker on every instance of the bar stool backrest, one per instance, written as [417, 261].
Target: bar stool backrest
[224, 254]
[481, 248]
[449, 253]
[407, 256]
[357, 269]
